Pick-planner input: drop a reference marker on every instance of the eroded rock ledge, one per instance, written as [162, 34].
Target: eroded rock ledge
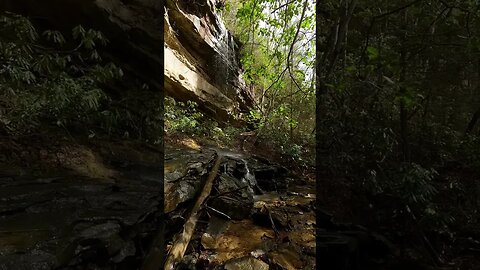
[201, 59]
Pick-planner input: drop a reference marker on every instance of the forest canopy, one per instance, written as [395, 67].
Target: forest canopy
[398, 99]
[278, 57]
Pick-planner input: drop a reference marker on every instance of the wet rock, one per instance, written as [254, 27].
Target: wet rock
[188, 262]
[216, 226]
[286, 258]
[196, 37]
[127, 250]
[246, 263]
[237, 204]
[268, 176]
[208, 241]
[184, 172]
[37, 259]
[75, 222]
[291, 245]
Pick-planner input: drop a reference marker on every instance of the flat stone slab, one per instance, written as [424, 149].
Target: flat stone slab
[70, 222]
[246, 263]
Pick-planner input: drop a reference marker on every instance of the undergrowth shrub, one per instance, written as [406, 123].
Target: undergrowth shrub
[60, 80]
[186, 118]
[49, 78]
[408, 181]
[181, 116]
[362, 143]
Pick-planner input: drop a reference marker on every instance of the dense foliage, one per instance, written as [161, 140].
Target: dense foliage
[44, 78]
[398, 97]
[54, 79]
[185, 118]
[277, 55]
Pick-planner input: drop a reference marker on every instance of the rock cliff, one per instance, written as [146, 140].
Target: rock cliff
[202, 60]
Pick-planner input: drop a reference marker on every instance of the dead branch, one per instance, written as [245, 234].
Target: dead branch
[180, 245]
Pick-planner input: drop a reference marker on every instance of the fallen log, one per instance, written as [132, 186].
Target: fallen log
[180, 244]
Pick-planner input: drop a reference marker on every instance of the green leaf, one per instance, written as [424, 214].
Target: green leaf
[373, 53]
[78, 32]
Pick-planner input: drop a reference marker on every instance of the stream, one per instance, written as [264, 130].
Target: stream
[258, 216]
[251, 220]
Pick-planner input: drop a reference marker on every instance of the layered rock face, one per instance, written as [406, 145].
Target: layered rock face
[201, 59]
